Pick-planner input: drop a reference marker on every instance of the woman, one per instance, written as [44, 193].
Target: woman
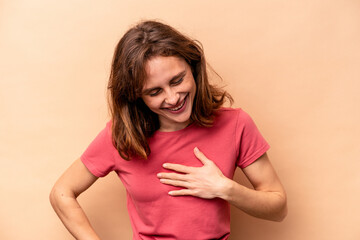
[173, 146]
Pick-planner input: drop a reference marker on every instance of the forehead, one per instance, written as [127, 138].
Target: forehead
[161, 68]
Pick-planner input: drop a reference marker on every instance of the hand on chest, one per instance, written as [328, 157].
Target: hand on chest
[140, 176]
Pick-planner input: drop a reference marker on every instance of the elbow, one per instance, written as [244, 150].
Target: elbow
[282, 215]
[282, 210]
[57, 198]
[53, 197]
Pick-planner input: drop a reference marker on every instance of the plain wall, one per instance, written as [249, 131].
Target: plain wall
[294, 66]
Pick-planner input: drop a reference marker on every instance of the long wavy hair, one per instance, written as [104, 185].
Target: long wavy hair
[132, 121]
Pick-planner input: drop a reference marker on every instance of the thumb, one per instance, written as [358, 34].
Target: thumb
[200, 156]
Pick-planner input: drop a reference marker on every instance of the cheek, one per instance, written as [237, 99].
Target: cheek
[152, 102]
[190, 86]
[193, 87]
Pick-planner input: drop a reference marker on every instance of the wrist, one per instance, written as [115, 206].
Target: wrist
[226, 189]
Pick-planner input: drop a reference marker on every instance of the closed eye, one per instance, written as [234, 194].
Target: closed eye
[155, 92]
[178, 81]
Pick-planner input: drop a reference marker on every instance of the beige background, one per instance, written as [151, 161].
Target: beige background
[294, 66]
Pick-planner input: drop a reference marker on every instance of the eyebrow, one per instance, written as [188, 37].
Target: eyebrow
[179, 75]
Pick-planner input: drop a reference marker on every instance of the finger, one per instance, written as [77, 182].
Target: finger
[173, 176]
[178, 167]
[175, 183]
[201, 156]
[182, 192]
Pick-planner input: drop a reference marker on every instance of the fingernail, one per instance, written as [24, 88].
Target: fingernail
[159, 174]
[196, 149]
[170, 193]
[164, 165]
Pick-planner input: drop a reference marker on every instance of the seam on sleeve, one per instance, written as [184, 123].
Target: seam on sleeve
[255, 156]
[237, 148]
[114, 150]
[114, 155]
[91, 167]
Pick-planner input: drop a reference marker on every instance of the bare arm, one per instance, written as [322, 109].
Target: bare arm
[75, 180]
[267, 200]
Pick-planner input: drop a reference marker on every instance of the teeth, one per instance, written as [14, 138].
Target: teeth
[175, 109]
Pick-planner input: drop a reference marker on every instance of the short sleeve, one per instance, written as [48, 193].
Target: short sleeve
[250, 144]
[98, 157]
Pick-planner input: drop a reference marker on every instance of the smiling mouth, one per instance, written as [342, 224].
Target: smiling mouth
[180, 106]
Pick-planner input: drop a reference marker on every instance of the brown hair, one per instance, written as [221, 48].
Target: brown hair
[132, 121]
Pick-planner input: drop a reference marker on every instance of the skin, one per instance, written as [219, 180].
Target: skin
[75, 180]
[169, 83]
[267, 200]
[164, 92]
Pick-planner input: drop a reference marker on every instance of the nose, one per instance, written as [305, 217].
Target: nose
[172, 97]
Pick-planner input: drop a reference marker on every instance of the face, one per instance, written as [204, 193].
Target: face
[169, 91]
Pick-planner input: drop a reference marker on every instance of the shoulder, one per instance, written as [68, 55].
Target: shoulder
[226, 116]
[106, 133]
[231, 113]
[232, 116]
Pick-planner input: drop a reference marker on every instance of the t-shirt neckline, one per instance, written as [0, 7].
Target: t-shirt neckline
[180, 131]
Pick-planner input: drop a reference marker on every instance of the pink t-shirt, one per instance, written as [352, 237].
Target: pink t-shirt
[232, 141]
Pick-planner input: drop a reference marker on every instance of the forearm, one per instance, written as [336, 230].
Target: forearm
[262, 204]
[267, 201]
[72, 215]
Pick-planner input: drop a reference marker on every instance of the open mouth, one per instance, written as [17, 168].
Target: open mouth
[178, 108]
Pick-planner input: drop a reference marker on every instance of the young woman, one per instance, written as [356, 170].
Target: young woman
[173, 145]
